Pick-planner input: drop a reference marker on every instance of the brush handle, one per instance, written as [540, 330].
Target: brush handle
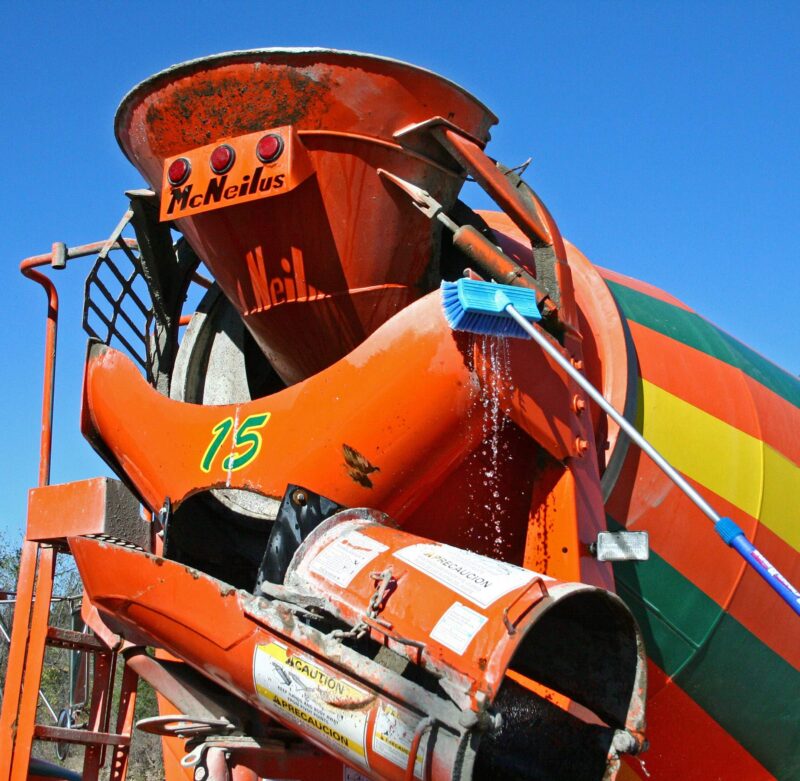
[725, 527]
[734, 536]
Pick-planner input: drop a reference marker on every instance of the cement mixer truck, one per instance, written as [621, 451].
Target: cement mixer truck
[345, 539]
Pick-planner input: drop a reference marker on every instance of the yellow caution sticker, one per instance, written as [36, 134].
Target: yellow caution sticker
[393, 735]
[319, 700]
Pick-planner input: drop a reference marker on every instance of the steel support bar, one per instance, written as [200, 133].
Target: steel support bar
[30, 630]
[468, 154]
[34, 660]
[99, 713]
[9, 718]
[83, 737]
[125, 713]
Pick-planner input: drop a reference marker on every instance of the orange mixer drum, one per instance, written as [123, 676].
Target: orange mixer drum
[328, 251]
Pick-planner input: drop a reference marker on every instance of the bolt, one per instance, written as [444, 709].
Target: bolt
[581, 445]
[577, 363]
[299, 497]
[200, 773]
[578, 404]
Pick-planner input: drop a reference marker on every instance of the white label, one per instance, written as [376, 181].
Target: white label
[393, 735]
[302, 691]
[343, 559]
[623, 546]
[478, 579]
[457, 627]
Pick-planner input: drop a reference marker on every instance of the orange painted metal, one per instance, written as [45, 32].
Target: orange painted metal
[28, 640]
[538, 226]
[431, 594]
[59, 511]
[340, 264]
[247, 644]
[312, 430]
[310, 765]
[34, 661]
[37, 565]
[416, 344]
[12, 692]
[247, 179]
[28, 268]
[609, 362]
[126, 709]
[222, 640]
[391, 410]
[99, 712]
[680, 728]
[472, 157]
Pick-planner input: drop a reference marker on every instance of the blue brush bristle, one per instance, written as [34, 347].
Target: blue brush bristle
[479, 307]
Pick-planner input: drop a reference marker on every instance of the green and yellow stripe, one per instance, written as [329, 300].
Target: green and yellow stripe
[751, 691]
[687, 327]
[736, 466]
[738, 679]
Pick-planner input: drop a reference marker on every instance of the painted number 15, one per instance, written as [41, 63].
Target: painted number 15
[246, 443]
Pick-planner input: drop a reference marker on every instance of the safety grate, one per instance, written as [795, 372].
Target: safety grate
[116, 305]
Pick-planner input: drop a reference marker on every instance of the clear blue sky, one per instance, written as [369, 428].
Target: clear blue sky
[664, 138]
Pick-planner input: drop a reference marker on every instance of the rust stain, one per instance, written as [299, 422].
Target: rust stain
[358, 467]
[223, 105]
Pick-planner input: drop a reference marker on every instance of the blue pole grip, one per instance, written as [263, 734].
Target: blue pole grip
[734, 536]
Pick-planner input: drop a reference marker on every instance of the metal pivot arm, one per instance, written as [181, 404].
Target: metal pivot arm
[524, 208]
[486, 256]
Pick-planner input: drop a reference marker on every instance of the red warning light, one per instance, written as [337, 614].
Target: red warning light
[269, 148]
[222, 159]
[178, 171]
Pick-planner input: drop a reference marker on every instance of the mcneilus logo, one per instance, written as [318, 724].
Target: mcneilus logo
[219, 190]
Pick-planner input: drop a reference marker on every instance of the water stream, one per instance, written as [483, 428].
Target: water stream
[493, 373]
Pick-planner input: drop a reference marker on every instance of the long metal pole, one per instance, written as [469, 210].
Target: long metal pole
[730, 532]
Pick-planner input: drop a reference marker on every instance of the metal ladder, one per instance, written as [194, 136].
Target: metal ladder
[31, 631]
[30, 635]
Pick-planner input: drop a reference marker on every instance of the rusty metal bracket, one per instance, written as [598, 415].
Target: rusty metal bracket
[301, 511]
[510, 625]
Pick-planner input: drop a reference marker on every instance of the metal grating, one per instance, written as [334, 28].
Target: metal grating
[117, 304]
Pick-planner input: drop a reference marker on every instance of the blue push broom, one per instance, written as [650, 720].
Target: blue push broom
[501, 310]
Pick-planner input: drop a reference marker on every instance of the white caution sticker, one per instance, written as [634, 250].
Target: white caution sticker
[343, 559]
[309, 695]
[393, 736]
[479, 579]
[457, 627]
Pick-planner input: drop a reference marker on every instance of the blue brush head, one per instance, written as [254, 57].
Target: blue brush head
[480, 307]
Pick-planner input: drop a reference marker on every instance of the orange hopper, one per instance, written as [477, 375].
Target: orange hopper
[319, 267]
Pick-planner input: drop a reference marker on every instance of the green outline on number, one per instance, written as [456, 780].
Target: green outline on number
[246, 436]
[220, 432]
